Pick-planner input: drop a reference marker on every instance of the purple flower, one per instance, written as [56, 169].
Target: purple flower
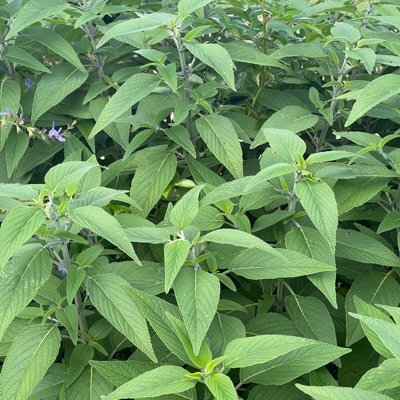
[7, 112]
[53, 132]
[28, 82]
[21, 120]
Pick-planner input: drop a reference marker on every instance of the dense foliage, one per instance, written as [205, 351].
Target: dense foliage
[199, 199]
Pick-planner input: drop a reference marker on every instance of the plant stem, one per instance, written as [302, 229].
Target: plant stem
[185, 74]
[90, 31]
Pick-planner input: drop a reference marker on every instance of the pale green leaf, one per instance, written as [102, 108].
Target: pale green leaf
[309, 50]
[343, 30]
[19, 56]
[53, 88]
[16, 146]
[285, 143]
[186, 209]
[342, 393]
[253, 264]
[20, 280]
[220, 136]
[221, 387]
[105, 225]
[239, 239]
[151, 179]
[133, 90]
[34, 11]
[68, 316]
[180, 135]
[197, 294]
[376, 92]
[175, 255]
[35, 348]
[187, 7]
[216, 57]
[108, 296]
[318, 199]
[17, 228]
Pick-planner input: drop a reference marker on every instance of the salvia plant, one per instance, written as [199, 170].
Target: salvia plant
[199, 199]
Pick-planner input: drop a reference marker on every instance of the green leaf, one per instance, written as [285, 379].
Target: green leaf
[240, 239]
[163, 380]
[289, 366]
[374, 93]
[186, 209]
[75, 279]
[268, 173]
[35, 348]
[342, 393]
[343, 30]
[318, 199]
[385, 376]
[373, 288]
[108, 296]
[53, 88]
[175, 255]
[105, 225]
[286, 143]
[391, 221]
[21, 280]
[311, 318]
[358, 246]
[20, 56]
[135, 25]
[312, 244]
[57, 44]
[220, 136]
[197, 294]
[68, 316]
[221, 387]
[216, 57]
[180, 135]
[34, 11]
[326, 156]
[249, 54]
[132, 91]
[10, 94]
[146, 234]
[253, 264]
[16, 146]
[151, 179]
[386, 332]
[187, 7]
[309, 50]
[66, 176]
[17, 228]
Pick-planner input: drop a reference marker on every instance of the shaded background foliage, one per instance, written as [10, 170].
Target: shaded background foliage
[199, 199]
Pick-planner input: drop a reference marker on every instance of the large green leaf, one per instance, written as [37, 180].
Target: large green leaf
[312, 244]
[186, 7]
[35, 348]
[311, 318]
[105, 225]
[56, 43]
[163, 380]
[17, 228]
[373, 288]
[20, 281]
[376, 92]
[216, 57]
[108, 296]
[136, 25]
[221, 387]
[240, 239]
[175, 255]
[318, 200]
[133, 90]
[10, 94]
[342, 393]
[221, 138]
[21, 57]
[15, 149]
[286, 143]
[34, 11]
[254, 264]
[152, 178]
[197, 294]
[53, 88]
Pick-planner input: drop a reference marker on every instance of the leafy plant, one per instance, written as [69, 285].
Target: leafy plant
[199, 199]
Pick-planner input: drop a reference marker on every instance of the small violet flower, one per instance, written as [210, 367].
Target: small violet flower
[53, 132]
[21, 120]
[7, 112]
[28, 82]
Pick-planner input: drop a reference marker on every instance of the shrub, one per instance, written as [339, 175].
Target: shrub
[199, 199]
